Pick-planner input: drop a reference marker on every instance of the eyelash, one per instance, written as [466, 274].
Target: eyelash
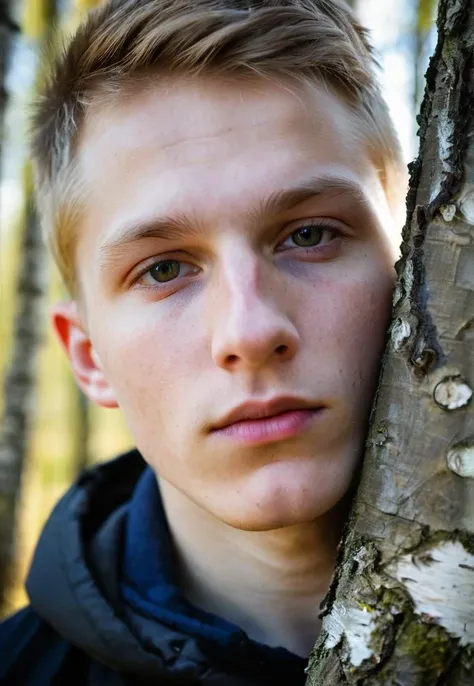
[324, 226]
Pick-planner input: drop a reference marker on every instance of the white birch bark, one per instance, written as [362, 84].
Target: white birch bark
[19, 385]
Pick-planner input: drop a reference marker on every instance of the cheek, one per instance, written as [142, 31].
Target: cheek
[147, 358]
[364, 316]
[356, 318]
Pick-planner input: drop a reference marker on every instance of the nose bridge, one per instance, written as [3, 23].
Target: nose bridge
[245, 284]
[242, 280]
[250, 322]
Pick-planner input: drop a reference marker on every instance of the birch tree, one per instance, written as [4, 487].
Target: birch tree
[19, 386]
[401, 607]
[8, 28]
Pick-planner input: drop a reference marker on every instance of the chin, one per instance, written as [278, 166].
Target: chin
[283, 495]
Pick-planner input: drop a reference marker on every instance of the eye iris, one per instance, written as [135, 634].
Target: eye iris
[165, 271]
[308, 236]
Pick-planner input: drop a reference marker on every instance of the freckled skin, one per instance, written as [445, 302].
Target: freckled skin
[176, 359]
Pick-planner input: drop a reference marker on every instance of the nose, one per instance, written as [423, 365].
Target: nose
[251, 328]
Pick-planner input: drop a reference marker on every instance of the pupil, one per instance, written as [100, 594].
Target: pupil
[165, 271]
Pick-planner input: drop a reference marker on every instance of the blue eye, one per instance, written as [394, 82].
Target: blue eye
[165, 271]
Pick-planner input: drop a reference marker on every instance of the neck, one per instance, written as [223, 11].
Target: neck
[269, 583]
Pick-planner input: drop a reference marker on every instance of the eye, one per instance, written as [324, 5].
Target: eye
[164, 272]
[312, 235]
[307, 236]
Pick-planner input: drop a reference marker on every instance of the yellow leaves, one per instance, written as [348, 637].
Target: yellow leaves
[425, 15]
[80, 9]
[35, 19]
[86, 5]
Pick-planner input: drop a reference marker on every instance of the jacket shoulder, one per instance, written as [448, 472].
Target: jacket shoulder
[32, 653]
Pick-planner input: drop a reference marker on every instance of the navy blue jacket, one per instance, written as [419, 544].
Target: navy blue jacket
[79, 628]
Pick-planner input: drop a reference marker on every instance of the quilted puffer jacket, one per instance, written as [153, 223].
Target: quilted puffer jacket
[89, 624]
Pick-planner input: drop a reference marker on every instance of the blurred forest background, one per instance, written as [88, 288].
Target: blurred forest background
[48, 431]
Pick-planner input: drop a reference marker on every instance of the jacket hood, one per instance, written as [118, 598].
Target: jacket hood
[74, 584]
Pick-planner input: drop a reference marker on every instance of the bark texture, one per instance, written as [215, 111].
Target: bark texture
[7, 32]
[19, 390]
[400, 610]
[19, 385]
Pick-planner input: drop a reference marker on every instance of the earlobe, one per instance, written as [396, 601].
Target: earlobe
[84, 361]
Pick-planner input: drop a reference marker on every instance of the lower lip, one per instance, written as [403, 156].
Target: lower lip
[270, 429]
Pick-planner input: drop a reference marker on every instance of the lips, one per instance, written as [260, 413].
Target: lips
[253, 409]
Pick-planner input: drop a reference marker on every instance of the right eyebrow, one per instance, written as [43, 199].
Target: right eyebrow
[163, 228]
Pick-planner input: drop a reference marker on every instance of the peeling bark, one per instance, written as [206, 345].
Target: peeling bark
[400, 610]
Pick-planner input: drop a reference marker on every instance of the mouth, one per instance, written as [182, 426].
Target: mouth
[258, 423]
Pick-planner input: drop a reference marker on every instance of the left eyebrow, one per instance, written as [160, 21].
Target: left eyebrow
[181, 227]
[328, 186]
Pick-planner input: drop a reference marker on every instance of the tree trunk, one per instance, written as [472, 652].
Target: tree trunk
[400, 610]
[7, 30]
[19, 383]
[19, 390]
[81, 431]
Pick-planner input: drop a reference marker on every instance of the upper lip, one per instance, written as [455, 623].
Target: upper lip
[254, 409]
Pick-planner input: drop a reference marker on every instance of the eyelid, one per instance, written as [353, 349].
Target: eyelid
[323, 222]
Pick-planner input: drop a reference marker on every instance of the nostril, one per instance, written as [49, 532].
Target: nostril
[282, 349]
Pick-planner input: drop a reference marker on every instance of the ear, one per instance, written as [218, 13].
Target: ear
[84, 360]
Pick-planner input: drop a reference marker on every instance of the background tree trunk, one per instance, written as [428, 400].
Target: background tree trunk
[19, 387]
[400, 610]
[19, 392]
[7, 30]
[81, 430]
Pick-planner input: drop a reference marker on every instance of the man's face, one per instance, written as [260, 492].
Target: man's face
[237, 246]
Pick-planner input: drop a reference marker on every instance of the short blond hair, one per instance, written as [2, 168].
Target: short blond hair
[305, 40]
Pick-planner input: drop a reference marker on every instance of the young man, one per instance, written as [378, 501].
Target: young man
[221, 186]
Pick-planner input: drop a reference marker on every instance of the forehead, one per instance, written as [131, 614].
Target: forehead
[211, 147]
[211, 106]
